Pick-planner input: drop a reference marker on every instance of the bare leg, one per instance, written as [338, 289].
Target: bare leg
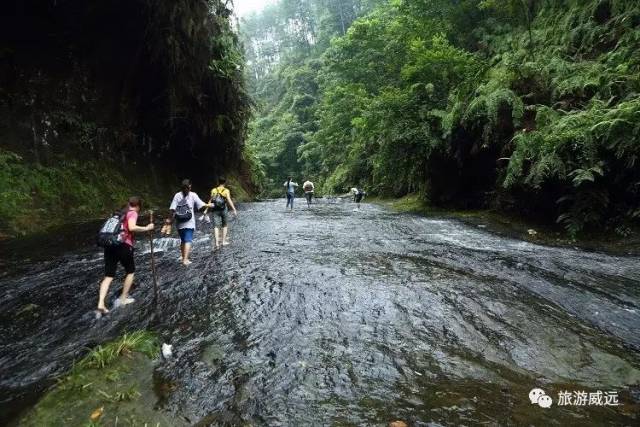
[104, 288]
[216, 235]
[128, 281]
[185, 256]
[224, 235]
[181, 252]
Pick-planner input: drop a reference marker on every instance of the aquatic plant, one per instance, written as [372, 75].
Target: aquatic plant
[140, 341]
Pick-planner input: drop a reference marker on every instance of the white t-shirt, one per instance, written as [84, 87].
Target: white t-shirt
[291, 188]
[193, 201]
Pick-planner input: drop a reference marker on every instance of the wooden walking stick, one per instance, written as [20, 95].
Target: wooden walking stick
[153, 265]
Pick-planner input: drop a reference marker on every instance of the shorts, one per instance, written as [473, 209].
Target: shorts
[186, 235]
[122, 254]
[309, 195]
[359, 197]
[220, 218]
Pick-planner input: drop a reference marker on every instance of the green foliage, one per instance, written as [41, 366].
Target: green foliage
[104, 355]
[533, 101]
[483, 111]
[231, 59]
[34, 196]
[588, 150]
[130, 393]
[255, 166]
[12, 195]
[112, 385]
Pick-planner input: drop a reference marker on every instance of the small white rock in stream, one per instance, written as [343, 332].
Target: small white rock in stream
[167, 350]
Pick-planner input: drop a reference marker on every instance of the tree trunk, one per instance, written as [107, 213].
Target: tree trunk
[341, 17]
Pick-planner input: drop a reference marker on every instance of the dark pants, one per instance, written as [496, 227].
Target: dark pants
[122, 254]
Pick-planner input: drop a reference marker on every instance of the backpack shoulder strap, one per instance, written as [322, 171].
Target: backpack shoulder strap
[220, 192]
[123, 220]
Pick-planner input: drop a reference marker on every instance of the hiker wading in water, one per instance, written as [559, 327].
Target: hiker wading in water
[123, 254]
[290, 187]
[220, 197]
[183, 207]
[308, 189]
[358, 195]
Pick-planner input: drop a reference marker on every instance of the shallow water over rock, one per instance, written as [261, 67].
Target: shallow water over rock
[334, 316]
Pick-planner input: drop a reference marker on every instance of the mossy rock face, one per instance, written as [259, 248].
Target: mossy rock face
[113, 385]
[238, 192]
[36, 198]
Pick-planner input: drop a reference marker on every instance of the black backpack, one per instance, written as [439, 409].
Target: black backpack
[219, 202]
[183, 211]
[110, 234]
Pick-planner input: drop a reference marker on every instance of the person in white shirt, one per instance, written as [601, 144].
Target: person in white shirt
[183, 207]
[291, 191]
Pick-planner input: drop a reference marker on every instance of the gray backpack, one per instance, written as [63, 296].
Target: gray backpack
[219, 202]
[183, 211]
[110, 233]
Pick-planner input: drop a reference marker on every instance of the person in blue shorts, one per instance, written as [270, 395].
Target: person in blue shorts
[183, 207]
[290, 187]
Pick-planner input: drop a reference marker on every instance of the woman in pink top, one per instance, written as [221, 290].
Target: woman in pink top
[122, 254]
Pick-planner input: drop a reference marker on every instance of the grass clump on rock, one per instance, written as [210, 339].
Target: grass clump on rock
[112, 384]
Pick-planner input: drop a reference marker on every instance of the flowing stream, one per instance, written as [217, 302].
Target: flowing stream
[330, 316]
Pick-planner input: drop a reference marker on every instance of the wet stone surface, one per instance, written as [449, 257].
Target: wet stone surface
[328, 316]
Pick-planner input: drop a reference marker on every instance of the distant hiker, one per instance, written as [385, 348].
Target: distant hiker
[118, 248]
[358, 195]
[308, 188]
[290, 187]
[220, 198]
[182, 208]
[166, 228]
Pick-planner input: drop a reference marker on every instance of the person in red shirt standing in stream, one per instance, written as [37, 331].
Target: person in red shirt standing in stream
[123, 254]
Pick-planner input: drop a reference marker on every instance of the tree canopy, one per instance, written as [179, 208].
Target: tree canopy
[531, 106]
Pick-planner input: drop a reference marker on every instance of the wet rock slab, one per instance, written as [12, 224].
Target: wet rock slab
[330, 316]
